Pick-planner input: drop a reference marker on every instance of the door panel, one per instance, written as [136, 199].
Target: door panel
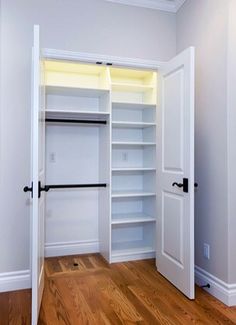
[175, 161]
[38, 174]
[172, 219]
[173, 121]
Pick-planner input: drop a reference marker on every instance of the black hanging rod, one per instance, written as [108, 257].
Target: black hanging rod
[46, 188]
[49, 187]
[57, 120]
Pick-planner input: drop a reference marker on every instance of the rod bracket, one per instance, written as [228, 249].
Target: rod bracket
[42, 189]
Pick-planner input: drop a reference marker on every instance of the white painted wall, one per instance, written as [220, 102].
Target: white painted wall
[204, 24]
[79, 25]
[231, 71]
[72, 215]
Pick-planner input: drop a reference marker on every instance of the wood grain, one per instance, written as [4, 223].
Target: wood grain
[15, 307]
[96, 293]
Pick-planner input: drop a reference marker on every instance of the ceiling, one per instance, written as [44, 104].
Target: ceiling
[165, 5]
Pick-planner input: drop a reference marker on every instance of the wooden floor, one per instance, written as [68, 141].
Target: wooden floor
[86, 290]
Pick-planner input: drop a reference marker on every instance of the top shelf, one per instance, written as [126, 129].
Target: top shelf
[135, 88]
[131, 77]
[75, 91]
[76, 77]
[125, 105]
[129, 87]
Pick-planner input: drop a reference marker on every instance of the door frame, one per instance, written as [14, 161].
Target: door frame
[93, 58]
[55, 54]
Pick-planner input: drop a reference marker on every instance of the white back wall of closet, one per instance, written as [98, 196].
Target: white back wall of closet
[72, 214]
[87, 25]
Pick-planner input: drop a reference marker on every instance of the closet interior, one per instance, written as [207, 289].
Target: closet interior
[101, 159]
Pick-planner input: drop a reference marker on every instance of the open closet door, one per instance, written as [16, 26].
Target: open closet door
[38, 174]
[175, 172]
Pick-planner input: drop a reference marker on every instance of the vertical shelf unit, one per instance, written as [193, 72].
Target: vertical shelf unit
[120, 151]
[78, 133]
[133, 199]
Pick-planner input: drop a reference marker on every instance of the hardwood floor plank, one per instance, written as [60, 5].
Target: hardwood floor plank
[216, 304]
[216, 317]
[74, 301]
[52, 266]
[4, 308]
[121, 281]
[100, 261]
[53, 305]
[94, 292]
[87, 263]
[48, 311]
[195, 311]
[19, 307]
[121, 305]
[75, 274]
[168, 292]
[154, 308]
[98, 303]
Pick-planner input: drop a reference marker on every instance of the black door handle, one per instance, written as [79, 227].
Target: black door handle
[184, 185]
[29, 189]
[178, 184]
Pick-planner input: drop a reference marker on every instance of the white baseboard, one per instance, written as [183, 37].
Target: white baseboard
[218, 288]
[11, 281]
[71, 248]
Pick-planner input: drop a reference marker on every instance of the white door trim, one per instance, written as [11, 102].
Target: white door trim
[93, 58]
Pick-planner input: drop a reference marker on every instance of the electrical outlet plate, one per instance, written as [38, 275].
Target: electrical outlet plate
[124, 156]
[52, 157]
[206, 251]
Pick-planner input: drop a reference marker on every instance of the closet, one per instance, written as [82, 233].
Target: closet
[101, 135]
[112, 161]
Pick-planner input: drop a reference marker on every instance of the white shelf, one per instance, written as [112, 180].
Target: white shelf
[130, 248]
[126, 105]
[51, 113]
[133, 143]
[133, 193]
[120, 86]
[130, 169]
[76, 91]
[124, 218]
[142, 125]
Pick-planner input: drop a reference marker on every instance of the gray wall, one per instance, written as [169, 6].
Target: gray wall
[231, 71]
[78, 25]
[204, 24]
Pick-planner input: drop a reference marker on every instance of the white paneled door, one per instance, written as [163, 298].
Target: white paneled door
[175, 172]
[38, 175]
